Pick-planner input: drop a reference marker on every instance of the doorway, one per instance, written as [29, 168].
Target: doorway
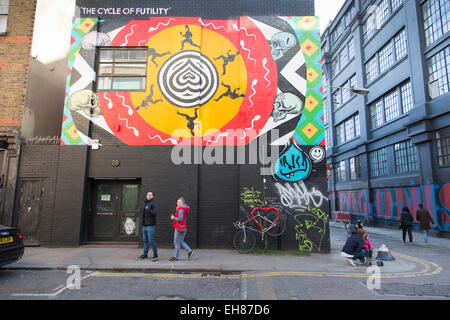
[114, 216]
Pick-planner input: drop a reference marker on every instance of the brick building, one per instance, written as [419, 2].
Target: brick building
[217, 102]
[16, 30]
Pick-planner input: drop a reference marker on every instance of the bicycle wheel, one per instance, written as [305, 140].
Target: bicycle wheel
[244, 241]
[280, 226]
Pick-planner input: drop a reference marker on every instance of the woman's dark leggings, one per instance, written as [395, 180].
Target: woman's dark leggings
[409, 229]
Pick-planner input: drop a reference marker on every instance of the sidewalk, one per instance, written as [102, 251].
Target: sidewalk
[122, 258]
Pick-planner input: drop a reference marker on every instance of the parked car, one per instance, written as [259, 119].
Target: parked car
[11, 245]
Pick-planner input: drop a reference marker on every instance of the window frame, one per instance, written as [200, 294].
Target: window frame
[115, 63]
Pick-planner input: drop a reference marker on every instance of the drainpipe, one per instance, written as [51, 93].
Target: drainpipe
[18, 152]
[5, 185]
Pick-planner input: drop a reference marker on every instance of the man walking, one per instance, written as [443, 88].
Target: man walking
[148, 218]
[424, 218]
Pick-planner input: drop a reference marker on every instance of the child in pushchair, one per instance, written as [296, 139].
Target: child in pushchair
[367, 246]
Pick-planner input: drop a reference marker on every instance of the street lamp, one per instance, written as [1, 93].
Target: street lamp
[356, 90]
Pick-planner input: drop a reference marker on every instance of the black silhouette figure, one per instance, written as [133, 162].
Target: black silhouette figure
[227, 59]
[152, 52]
[148, 100]
[229, 93]
[187, 38]
[190, 121]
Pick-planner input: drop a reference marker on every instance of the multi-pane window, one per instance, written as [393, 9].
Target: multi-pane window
[343, 57]
[407, 99]
[4, 5]
[351, 49]
[436, 19]
[355, 168]
[378, 162]
[348, 129]
[340, 171]
[405, 157]
[122, 69]
[378, 15]
[337, 99]
[386, 57]
[439, 73]
[443, 146]
[372, 69]
[395, 4]
[392, 105]
[341, 96]
[391, 53]
[401, 48]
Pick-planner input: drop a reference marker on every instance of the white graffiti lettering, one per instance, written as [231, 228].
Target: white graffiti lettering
[297, 195]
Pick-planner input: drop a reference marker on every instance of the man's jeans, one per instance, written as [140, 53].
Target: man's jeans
[178, 241]
[359, 254]
[148, 235]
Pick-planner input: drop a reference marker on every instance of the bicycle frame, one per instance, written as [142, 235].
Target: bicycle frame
[256, 218]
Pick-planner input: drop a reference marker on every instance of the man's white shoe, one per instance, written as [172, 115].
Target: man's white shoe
[352, 262]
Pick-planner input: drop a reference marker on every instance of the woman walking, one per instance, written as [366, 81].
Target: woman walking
[179, 225]
[406, 224]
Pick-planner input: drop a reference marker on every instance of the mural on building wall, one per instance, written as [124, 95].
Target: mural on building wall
[202, 79]
[387, 203]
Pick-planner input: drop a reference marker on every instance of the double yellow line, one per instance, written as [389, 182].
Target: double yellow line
[430, 268]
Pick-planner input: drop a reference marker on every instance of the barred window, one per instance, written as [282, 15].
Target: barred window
[436, 16]
[4, 5]
[355, 168]
[340, 171]
[122, 69]
[378, 162]
[439, 73]
[405, 157]
[407, 97]
[386, 57]
[392, 106]
[372, 69]
[443, 146]
[401, 48]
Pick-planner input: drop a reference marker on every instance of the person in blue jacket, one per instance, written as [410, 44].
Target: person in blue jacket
[354, 246]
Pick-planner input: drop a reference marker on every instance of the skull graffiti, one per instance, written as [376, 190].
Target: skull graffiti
[284, 104]
[94, 39]
[85, 100]
[280, 43]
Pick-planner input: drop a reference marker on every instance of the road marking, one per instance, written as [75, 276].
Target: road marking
[60, 289]
[430, 268]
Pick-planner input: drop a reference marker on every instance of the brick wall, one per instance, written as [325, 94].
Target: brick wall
[15, 49]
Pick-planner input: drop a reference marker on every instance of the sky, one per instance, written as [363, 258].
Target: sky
[326, 10]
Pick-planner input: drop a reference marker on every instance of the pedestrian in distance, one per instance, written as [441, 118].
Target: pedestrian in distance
[148, 217]
[180, 228]
[406, 224]
[424, 218]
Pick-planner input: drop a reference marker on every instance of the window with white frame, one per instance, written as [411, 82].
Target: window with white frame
[377, 17]
[122, 69]
[4, 7]
[392, 106]
[439, 73]
[436, 19]
[407, 98]
[386, 57]
[372, 69]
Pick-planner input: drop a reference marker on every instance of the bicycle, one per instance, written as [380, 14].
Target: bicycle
[262, 220]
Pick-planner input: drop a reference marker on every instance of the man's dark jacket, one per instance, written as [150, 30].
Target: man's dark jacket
[353, 244]
[148, 212]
